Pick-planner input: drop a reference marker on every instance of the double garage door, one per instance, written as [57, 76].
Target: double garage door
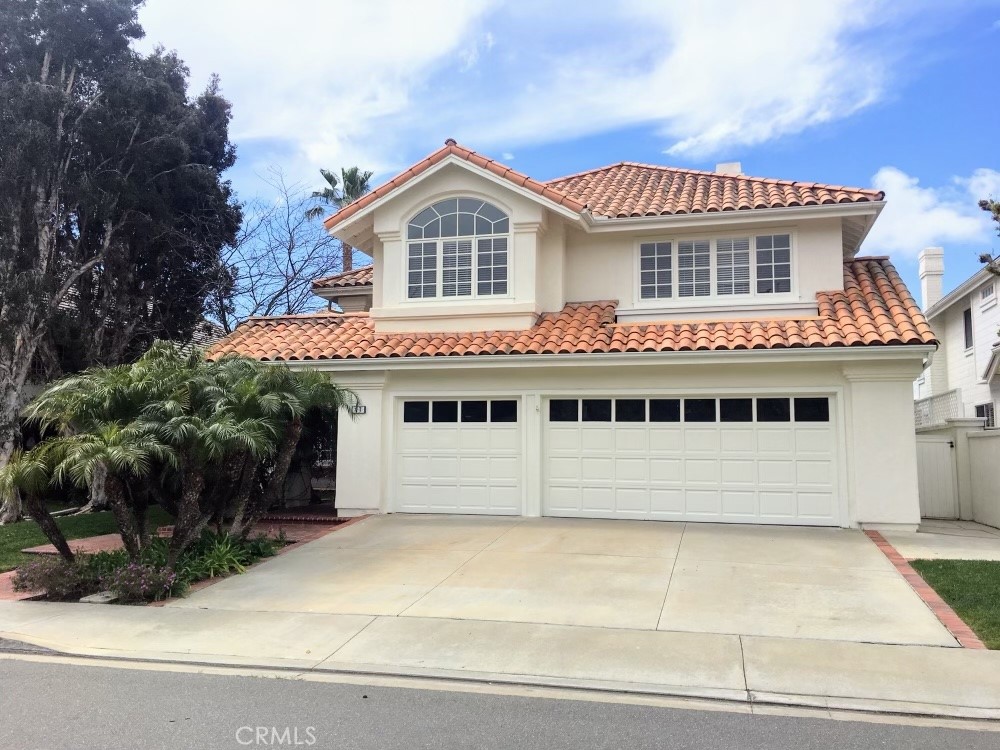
[740, 459]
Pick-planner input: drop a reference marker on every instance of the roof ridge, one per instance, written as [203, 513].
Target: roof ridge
[719, 175]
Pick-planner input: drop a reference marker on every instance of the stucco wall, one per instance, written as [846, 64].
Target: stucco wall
[872, 412]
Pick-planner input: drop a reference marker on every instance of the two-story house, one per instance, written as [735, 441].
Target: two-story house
[963, 378]
[632, 341]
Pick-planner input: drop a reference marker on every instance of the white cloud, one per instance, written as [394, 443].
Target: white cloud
[339, 82]
[507, 156]
[916, 217]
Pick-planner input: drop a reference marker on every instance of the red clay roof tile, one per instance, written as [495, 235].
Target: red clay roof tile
[362, 276]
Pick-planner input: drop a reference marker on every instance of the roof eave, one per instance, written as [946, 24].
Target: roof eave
[959, 292]
[750, 215]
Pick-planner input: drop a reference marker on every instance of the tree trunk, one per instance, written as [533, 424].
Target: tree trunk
[348, 262]
[244, 488]
[189, 518]
[98, 491]
[276, 484]
[123, 516]
[36, 506]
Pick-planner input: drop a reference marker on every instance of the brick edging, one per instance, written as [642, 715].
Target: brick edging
[962, 632]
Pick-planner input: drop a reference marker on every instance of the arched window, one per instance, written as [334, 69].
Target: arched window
[457, 248]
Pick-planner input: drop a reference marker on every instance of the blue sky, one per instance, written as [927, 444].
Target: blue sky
[900, 96]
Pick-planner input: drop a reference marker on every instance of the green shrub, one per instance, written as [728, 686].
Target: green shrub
[60, 580]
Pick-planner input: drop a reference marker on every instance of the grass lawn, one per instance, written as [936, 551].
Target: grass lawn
[17, 536]
[972, 589]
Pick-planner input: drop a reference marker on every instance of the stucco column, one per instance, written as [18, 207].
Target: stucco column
[882, 445]
[361, 457]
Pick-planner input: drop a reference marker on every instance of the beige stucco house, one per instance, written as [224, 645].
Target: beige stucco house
[633, 341]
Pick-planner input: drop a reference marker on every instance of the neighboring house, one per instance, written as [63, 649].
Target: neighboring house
[963, 378]
[632, 341]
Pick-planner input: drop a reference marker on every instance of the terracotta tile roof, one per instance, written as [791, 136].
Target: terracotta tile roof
[629, 189]
[874, 309]
[356, 277]
[451, 148]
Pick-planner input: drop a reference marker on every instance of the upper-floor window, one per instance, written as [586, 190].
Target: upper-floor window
[725, 267]
[967, 326]
[987, 292]
[458, 247]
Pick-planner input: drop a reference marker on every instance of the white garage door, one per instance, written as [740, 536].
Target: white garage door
[458, 456]
[741, 459]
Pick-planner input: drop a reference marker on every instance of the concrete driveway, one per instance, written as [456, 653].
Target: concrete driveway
[700, 578]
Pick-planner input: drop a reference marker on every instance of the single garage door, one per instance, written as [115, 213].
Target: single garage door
[766, 459]
[458, 456]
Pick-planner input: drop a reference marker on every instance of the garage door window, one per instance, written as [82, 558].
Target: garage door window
[812, 410]
[473, 411]
[774, 410]
[597, 410]
[416, 411]
[445, 411]
[736, 409]
[630, 410]
[503, 411]
[699, 410]
[664, 410]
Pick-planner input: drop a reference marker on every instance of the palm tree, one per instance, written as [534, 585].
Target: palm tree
[303, 391]
[352, 185]
[120, 453]
[29, 474]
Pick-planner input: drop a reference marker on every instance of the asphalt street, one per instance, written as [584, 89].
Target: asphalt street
[51, 705]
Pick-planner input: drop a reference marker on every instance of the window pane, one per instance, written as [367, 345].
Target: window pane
[774, 410]
[630, 410]
[736, 409]
[655, 265]
[416, 411]
[774, 270]
[597, 410]
[449, 225]
[473, 411]
[694, 260]
[564, 410]
[812, 410]
[664, 410]
[967, 323]
[699, 410]
[422, 270]
[503, 411]
[445, 411]
[456, 264]
[732, 266]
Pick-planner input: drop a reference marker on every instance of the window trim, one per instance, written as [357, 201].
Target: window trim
[989, 409]
[439, 298]
[755, 298]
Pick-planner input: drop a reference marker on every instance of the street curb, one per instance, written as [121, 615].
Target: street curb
[720, 696]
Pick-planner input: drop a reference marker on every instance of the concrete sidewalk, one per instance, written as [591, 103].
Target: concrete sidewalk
[824, 673]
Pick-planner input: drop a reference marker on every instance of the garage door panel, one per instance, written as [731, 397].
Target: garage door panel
[739, 503]
[665, 470]
[701, 440]
[631, 440]
[632, 469]
[665, 439]
[739, 471]
[774, 470]
[738, 441]
[704, 470]
[703, 502]
[632, 500]
[503, 439]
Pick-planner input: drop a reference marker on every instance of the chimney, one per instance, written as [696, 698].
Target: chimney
[931, 260]
[729, 167]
